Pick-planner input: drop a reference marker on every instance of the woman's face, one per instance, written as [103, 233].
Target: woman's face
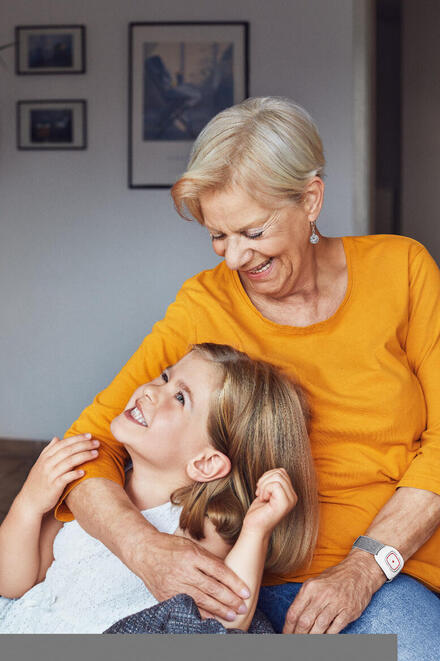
[268, 247]
[165, 421]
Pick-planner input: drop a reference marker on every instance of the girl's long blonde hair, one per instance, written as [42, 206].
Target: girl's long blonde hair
[258, 419]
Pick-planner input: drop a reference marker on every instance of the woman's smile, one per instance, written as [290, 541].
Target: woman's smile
[261, 271]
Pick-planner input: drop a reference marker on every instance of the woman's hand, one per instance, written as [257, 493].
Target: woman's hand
[54, 469]
[338, 596]
[275, 498]
[167, 564]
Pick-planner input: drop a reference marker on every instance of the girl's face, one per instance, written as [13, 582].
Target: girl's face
[165, 421]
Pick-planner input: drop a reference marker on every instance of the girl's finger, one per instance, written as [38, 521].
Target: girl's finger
[67, 464]
[75, 448]
[277, 474]
[56, 445]
[274, 478]
[66, 478]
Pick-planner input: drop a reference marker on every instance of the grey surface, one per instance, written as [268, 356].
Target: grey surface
[209, 647]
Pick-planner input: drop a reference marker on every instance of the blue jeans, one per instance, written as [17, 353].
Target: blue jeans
[404, 607]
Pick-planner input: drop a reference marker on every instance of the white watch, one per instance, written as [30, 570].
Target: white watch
[387, 557]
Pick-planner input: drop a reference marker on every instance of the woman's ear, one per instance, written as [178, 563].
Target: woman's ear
[209, 465]
[313, 197]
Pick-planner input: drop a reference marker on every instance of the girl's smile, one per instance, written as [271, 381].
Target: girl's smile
[165, 421]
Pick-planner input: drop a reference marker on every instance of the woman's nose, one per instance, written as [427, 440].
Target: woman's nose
[236, 254]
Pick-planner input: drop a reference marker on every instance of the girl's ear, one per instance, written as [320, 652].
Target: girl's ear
[209, 465]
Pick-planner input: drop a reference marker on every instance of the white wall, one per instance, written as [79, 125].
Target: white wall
[87, 265]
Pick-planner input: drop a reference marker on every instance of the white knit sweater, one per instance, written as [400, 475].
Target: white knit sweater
[87, 588]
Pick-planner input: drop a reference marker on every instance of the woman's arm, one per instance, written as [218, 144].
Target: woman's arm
[412, 514]
[327, 603]
[167, 564]
[28, 531]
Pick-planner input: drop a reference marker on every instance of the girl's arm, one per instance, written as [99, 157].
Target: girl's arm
[28, 531]
[275, 498]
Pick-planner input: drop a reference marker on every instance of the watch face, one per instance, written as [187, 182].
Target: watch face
[392, 561]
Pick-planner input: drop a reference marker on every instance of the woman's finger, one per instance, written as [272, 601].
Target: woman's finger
[216, 579]
[209, 606]
[298, 605]
[323, 620]
[338, 623]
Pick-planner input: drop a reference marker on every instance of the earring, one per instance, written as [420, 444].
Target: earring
[314, 238]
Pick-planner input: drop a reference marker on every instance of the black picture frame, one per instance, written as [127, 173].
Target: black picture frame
[171, 95]
[52, 124]
[50, 49]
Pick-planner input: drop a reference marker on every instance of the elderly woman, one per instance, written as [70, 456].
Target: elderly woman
[356, 321]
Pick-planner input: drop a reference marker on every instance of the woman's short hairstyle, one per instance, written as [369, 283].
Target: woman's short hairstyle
[258, 419]
[268, 146]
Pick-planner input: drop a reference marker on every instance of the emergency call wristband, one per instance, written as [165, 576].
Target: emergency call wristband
[387, 557]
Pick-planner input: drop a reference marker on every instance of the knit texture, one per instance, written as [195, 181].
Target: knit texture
[87, 588]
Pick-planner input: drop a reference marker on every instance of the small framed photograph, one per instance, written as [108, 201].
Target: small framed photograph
[180, 76]
[57, 124]
[50, 49]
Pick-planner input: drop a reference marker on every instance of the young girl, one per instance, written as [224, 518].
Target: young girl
[206, 440]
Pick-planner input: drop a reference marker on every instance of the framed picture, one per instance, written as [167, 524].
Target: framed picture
[180, 76]
[60, 124]
[49, 49]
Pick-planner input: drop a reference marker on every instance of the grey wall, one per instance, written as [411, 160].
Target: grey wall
[421, 113]
[86, 265]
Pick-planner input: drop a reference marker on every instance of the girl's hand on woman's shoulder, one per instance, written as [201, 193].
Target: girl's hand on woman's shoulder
[275, 497]
[54, 469]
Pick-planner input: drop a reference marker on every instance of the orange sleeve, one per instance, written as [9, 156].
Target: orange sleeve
[423, 351]
[164, 346]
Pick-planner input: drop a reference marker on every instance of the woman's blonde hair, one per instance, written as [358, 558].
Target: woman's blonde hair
[268, 146]
[257, 419]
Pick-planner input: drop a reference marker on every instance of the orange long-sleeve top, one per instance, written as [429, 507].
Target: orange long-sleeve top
[371, 373]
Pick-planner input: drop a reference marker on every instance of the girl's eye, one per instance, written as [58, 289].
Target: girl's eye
[164, 377]
[216, 237]
[180, 398]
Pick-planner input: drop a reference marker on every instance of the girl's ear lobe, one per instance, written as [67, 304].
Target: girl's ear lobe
[208, 465]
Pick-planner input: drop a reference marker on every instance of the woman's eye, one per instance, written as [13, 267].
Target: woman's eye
[164, 377]
[180, 398]
[256, 235]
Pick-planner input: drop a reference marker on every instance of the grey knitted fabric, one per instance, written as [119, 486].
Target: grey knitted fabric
[180, 615]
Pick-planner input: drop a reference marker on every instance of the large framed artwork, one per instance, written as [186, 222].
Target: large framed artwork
[50, 49]
[180, 76]
[53, 124]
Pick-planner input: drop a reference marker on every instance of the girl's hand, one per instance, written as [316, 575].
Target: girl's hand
[275, 498]
[54, 469]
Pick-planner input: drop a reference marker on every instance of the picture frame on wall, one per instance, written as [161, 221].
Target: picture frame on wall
[180, 76]
[52, 124]
[50, 49]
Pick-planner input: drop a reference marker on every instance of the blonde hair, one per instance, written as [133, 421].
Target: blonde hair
[268, 146]
[257, 419]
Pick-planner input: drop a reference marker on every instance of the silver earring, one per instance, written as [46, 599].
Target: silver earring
[314, 238]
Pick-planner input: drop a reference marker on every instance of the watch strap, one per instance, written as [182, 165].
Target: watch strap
[368, 544]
